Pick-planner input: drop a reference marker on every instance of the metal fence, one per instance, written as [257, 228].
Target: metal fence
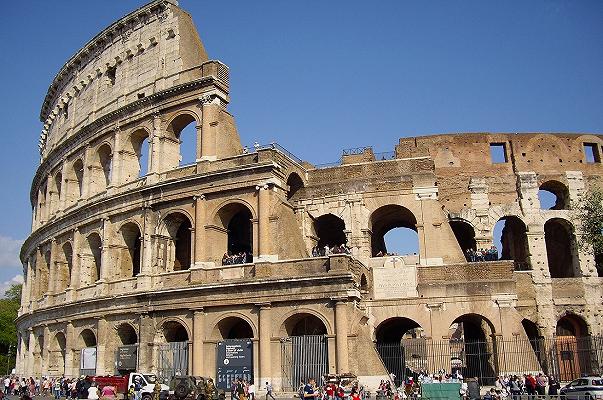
[303, 357]
[173, 360]
[565, 357]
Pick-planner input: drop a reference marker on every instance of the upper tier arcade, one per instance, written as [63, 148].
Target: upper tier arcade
[152, 49]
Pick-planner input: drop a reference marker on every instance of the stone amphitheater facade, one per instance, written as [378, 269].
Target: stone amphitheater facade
[119, 256]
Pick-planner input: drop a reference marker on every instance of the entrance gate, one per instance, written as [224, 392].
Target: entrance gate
[173, 359]
[404, 358]
[303, 357]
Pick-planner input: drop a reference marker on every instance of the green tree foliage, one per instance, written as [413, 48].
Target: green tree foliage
[589, 211]
[9, 306]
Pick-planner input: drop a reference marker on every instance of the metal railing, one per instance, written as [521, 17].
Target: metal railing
[356, 150]
[256, 146]
[564, 357]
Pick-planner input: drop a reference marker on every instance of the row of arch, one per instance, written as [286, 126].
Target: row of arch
[93, 171]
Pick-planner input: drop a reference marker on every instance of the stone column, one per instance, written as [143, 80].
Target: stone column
[200, 237]
[145, 342]
[341, 336]
[209, 125]
[70, 369]
[86, 179]
[265, 333]
[76, 259]
[116, 161]
[30, 352]
[64, 185]
[101, 346]
[198, 338]
[52, 276]
[45, 353]
[199, 141]
[105, 270]
[154, 145]
[265, 245]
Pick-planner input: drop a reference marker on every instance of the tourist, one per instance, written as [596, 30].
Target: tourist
[269, 391]
[310, 391]
[108, 393]
[93, 392]
[251, 390]
[554, 386]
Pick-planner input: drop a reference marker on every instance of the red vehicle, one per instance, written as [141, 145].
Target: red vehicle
[122, 383]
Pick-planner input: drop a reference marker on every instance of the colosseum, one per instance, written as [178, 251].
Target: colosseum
[251, 262]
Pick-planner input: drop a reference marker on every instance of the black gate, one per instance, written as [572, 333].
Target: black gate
[404, 359]
[173, 360]
[303, 357]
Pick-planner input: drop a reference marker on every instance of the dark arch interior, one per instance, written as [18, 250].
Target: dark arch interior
[95, 244]
[514, 241]
[559, 248]
[78, 169]
[88, 338]
[132, 239]
[480, 357]
[330, 230]
[363, 283]
[127, 334]
[105, 159]
[465, 235]
[571, 325]
[554, 189]
[531, 329]
[174, 332]
[235, 328]
[183, 246]
[472, 327]
[599, 264]
[387, 218]
[395, 329]
[60, 341]
[240, 232]
[305, 324]
[295, 183]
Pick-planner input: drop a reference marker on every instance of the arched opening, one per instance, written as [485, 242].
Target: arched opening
[78, 171]
[87, 338]
[105, 158]
[536, 341]
[131, 250]
[42, 205]
[44, 273]
[471, 344]
[295, 183]
[599, 264]
[465, 236]
[304, 324]
[174, 332]
[304, 349]
[511, 241]
[93, 261]
[56, 355]
[553, 195]
[178, 228]
[394, 231]
[183, 128]
[573, 347]
[127, 335]
[330, 231]
[135, 162]
[86, 357]
[402, 348]
[64, 268]
[237, 235]
[56, 198]
[234, 328]
[363, 284]
[560, 248]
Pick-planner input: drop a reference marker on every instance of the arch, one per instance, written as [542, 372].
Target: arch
[236, 219]
[56, 354]
[295, 184]
[127, 334]
[363, 283]
[64, 267]
[511, 239]
[175, 331]
[571, 325]
[87, 338]
[181, 128]
[78, 173]
[464, 234]
[130, 254]
[303, 324]
[56, 197]
[136, 159]
[394, 329]
[233, 327]
[177, 228]
[105, 159]
[561, 248]
[554, 195]
[389, 217]
[471, 335]
[330, 230]
[531, 329]
[95, 245]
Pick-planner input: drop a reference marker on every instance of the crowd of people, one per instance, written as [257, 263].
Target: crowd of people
[331, 390]
[319, 251]
[237, 258]
[77, 388]
[478, 255]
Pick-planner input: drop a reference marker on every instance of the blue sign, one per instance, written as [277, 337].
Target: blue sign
[234, 359]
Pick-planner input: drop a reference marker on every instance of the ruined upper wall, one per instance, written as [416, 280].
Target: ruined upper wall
[149, 50]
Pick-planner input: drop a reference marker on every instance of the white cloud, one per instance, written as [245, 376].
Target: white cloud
[4, 286]
[9, 252]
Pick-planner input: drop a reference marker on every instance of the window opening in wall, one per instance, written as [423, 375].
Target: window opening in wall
[498, 153]
[141, 95]
[66, 111]
[111, 73]
[143, 158]
[553, 195]
[394, 232]
[591, 153]
[188, 144]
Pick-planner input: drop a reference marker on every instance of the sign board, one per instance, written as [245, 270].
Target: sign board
[88, 358]
[234, 359]
[126, 357]
[395, 282]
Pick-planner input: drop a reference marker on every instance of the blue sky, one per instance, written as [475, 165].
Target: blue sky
[321, 76]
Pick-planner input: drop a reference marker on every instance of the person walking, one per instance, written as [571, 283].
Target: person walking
[269, 391]
[251, 390]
